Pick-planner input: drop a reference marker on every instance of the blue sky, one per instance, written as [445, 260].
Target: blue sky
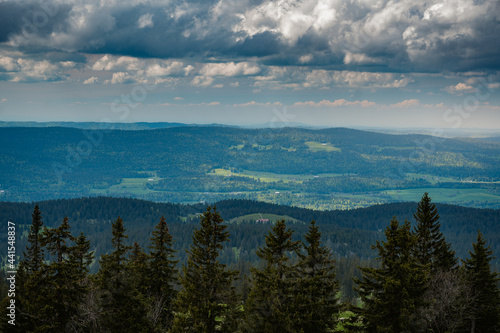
[318, 62]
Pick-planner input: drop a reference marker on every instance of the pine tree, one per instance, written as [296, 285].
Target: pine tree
[315, 302]
[122, 309]
[63, 291]
[34, 255]
[484, 313]
[392, 294]
[162, 276]
[432, 248]
[30, 278]
[269, 305]
[207, 301]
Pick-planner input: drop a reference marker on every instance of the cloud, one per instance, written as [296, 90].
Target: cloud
[121, 77]
[325, 78]
[460, 89]
[396, 36]
[229, 69]
[3, 100]
[145, 21]
[336, 103]
[202, 81]
[22, 69]
[254, 103]
[406, 103]
[91, 80]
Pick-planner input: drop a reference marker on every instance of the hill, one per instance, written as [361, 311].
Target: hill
[320, 169]
[348, 233]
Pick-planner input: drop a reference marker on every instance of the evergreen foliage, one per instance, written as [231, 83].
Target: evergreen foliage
[269, 306]
[432, 248]
[121, 306]
[484, 312]
[315, 303]
[162, 276]
[414, 288]
[392, 294]
[207, 301]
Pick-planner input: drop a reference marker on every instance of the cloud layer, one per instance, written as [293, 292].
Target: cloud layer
[401, 36]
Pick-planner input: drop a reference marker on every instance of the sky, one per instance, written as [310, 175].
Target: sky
[356, 63]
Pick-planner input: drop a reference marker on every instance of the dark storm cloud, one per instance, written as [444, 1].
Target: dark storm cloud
[399, 36]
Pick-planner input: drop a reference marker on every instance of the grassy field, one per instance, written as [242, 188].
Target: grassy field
[446, 195]
[269, 177]
[476, 197]
[319, 146]
[128, 185]
[271, 217]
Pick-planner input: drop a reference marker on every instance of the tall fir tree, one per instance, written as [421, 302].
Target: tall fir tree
[432, 248]
[162, 277]
[122, 309]
[392, 294]
[315, 302]
[207, 300]
[34, 256]
[30, 278]
[269, 305]
[484, 312]
[63, 290]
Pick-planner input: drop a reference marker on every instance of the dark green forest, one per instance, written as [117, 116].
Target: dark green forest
[324, 169]
[127, 265]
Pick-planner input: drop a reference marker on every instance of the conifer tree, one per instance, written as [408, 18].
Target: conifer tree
[392, 294]
[315, 302]
[269, 305]
[432, 248]
[162, 276]
[484, 312]
[81, 256]
[30, 278]
[63, 290]
[207, 301]
[34, 255]
[122, 309]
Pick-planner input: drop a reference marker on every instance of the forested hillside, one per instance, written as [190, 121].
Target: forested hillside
[347, 232]
[321, 169]
[245, 275]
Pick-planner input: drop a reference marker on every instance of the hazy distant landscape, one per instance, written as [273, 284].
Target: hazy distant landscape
[335, 168]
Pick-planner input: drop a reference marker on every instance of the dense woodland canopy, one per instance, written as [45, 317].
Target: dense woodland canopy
[295, 284]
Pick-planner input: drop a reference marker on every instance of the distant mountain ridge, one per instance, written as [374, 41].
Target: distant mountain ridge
[293, 166]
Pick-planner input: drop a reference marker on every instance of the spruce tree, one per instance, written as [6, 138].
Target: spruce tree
[30, 278]
[122, 309]
[207, 301]
[315, 301]
[162, 276]
[269, 305]
[432, 248]
[484, 312]
[392, 294]
[33, 258]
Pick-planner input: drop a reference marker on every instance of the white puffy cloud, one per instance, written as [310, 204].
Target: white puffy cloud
[229, 69]
[8, 64]
[91, 80]
[325, 78]
[406, 103]
[460, 88]
[110, 63]
[336, 103]
[30, 70]
[145, 21]
[202, 81]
